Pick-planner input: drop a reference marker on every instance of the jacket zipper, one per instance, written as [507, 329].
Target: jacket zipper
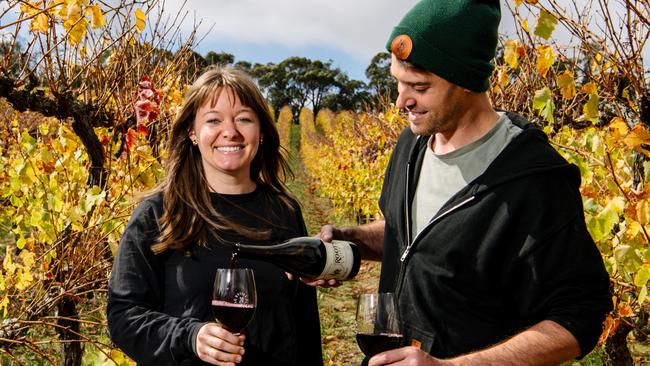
[410, 243]
[434, 220]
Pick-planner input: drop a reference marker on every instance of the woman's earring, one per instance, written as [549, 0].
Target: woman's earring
[194, 142]
[261, 140]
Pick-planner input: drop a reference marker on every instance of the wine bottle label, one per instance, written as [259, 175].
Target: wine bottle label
[340, 260]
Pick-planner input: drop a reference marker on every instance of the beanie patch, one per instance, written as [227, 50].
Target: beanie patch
[454, 39]
[402, 46]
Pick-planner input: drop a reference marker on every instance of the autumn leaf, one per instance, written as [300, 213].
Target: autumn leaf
[76, 29]
[543, 102]
[131, 137]
[545, 59]
[502, 78]
[524, 25]
[140, 20]
[97, 16]
[642, 276]
[624, 310]
[643, 211]
[142, 129]
[545, 24]
[567, 85]
[3, 304]
[589, 88]
[511, 54]
[590, 110]
[41, 23]
[638, 136]
[618, 128]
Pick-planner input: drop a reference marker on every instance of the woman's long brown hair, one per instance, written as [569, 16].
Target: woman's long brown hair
[188, 214]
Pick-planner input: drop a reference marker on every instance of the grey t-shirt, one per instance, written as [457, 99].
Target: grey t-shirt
[441, 176]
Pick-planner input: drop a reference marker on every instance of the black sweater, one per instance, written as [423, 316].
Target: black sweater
[507, 251]
[157, 303]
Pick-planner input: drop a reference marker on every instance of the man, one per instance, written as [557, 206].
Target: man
[484, 238]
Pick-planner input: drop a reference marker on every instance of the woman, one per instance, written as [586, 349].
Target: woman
[223, 185]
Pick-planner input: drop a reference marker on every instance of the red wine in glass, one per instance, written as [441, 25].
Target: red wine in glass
[233, 317]
[372, 344]
[234, 298]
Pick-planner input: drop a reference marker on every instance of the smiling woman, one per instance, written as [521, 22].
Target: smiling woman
[228, 135]
[224, 184]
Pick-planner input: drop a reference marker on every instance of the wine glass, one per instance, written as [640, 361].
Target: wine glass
[234, 298]
[378, 323]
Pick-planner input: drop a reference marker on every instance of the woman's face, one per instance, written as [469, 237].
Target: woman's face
[228, 136]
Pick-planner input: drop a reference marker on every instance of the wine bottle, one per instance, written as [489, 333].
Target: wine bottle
[308, 257]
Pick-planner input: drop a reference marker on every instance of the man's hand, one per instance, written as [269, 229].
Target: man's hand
[406, 356]
[317, 283]
[329, 233]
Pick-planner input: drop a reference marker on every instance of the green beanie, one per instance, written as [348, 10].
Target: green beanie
[454, 39]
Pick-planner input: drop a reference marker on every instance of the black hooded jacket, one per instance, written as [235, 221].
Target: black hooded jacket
[507, 251]
[158, 303]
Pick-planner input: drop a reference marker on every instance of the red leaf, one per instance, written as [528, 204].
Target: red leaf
[142, 129]
[131, 137]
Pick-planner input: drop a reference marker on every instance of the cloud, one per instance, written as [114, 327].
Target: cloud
[356, 27]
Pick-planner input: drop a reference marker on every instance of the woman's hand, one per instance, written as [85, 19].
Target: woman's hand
[218, 346]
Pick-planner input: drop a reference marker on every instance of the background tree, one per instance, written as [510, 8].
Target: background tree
[380, 81]
[351, 95]
[220, 58]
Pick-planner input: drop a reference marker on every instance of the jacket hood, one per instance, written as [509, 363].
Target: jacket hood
[528, 154]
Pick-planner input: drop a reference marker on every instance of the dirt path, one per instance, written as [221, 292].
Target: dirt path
[337, 306]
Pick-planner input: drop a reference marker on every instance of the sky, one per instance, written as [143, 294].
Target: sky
[347, 32]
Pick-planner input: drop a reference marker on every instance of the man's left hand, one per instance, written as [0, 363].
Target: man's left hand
[406, 356]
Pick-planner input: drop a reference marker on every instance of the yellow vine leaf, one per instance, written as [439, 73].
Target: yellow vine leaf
[97, 16]
[642, 276]
[510, 54]
[28, 258]
[24, 278]
[589, 88]
[2, 282]
[643, 294]
[590, 110]
[618, 128]
[3, 304]
[596, 64]
[140, 20]
[531, 2]
[518, 2]
[41, 24]
[8, 265]
[643, 211]
[502, 80]
[76, 29]
[543, 102]
[567, 85]
[545, 59]
[637, 137]
[545, 24]
[524, 25]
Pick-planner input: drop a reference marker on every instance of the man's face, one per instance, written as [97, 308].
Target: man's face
[433, 103]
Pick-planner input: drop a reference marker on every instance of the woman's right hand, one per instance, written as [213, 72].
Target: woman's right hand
[218, 346]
